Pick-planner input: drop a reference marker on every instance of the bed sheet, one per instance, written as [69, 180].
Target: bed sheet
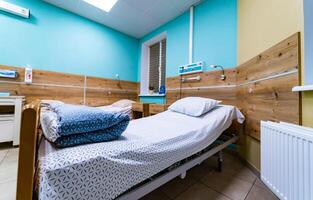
[148, 146]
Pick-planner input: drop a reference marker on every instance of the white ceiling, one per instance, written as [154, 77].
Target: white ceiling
[133, 17]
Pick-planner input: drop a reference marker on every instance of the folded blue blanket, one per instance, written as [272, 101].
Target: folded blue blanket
[109, 134]
[82, 125]
[75, 119]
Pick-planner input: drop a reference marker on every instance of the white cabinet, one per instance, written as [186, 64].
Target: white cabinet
[10, 123]
[7, 130]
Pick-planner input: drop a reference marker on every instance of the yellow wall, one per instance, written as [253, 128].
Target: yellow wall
[307, 108]
[262, 24]
[249, 149]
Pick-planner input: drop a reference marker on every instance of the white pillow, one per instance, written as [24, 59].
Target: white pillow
[194, 106]
[123, 103]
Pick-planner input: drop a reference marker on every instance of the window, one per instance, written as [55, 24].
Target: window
[157, 62]
[153, 65]
[308, 42]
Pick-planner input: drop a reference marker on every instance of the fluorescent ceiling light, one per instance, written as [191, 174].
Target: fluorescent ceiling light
[105, 5]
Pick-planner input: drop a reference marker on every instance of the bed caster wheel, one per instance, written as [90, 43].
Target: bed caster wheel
[183, 175]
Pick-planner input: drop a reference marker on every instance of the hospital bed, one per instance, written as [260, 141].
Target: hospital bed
[129, 168]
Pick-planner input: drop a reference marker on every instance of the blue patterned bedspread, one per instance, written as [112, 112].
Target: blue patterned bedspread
[82, 124]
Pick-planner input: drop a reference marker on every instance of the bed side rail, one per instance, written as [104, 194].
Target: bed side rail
[28, 151]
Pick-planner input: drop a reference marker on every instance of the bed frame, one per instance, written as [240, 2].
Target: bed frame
[30, 138]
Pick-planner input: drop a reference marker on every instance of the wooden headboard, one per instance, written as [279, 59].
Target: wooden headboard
[261, 87]
[29, 144]
[70, 88]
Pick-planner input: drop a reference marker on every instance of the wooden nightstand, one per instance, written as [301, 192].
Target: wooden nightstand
[140, 110]
[157, 108]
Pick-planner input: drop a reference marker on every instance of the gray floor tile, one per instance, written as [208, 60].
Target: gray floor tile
[260, 184]
[155, 195]
[8, 190]
[200, 170]
[8, 168]
[230, 186]
[259, 193]
[200, 192]
[3, 153]
[177, 186]
[12, 155]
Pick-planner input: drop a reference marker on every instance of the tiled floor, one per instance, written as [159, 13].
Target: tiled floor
[203, 182]
[8, 173]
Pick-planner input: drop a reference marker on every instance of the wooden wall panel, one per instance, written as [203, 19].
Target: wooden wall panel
[207, 79]
[94, 82]
[56, 78]
[265, 84]
[102, 91]
[210, 86]
[227, 95]
[269, 100]
[69, 88]
[34, 92]
[98, 97]
[283, 57]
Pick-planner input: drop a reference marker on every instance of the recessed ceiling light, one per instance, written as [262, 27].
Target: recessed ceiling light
[105, 5]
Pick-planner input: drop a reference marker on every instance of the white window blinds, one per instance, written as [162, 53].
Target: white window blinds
[157, 65]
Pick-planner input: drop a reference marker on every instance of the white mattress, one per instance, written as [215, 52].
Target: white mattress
[148, 146]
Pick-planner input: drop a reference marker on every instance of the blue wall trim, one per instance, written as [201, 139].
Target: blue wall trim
[56, 40]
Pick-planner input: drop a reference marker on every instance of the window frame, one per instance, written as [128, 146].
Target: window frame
[308, 46]
[145, 64]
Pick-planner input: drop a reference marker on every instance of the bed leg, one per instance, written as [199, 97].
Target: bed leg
[220, 161]
[183, 175]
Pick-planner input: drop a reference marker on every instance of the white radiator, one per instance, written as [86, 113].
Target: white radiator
[287, 160]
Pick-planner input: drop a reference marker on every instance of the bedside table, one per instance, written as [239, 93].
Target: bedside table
[157, 108]
[10, 118]
[140, 110]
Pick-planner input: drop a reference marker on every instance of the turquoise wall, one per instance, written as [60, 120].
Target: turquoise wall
[153, 99]
[215, 37]
[56, 40]
[215, 33]
[177, 39]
